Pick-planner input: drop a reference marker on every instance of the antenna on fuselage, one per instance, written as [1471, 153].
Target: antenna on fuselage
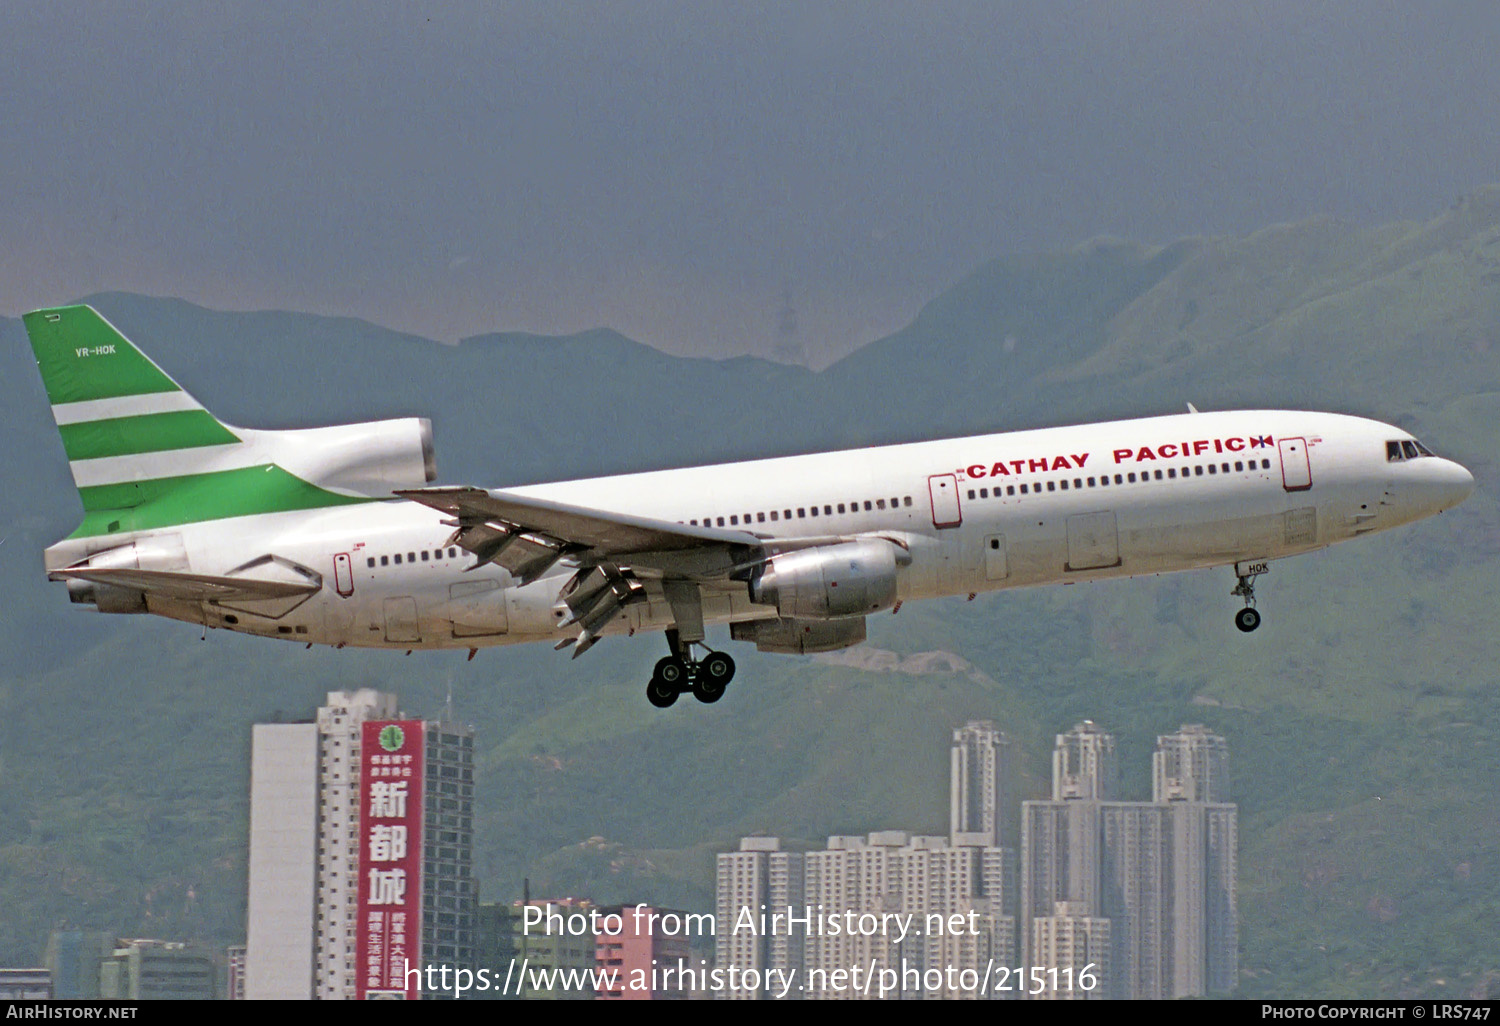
[1192, 408]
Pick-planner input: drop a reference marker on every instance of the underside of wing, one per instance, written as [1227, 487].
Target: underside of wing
[612, 554]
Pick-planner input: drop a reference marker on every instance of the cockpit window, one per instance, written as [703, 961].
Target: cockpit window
[1405, 449]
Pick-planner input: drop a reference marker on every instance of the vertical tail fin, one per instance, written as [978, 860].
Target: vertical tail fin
[145, 454]
[124, 422]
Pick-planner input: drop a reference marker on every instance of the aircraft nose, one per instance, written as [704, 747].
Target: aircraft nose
[1451, 484]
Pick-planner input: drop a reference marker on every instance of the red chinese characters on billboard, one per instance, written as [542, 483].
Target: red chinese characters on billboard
[390, 860]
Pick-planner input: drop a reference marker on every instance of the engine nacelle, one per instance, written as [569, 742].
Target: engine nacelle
[830, 581]
[374, 458]
[800, 637]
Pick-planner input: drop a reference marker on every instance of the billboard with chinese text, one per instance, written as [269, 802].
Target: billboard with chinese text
[390, 860]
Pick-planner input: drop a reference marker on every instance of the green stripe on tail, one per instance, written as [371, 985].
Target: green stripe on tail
[82, 356]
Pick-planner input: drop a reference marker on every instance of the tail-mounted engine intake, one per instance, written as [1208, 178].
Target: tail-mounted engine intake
[374, 458]
[848, 579]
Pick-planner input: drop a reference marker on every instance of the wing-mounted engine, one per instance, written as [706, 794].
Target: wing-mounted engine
[828, 582]
[800, 637]
[375, 458]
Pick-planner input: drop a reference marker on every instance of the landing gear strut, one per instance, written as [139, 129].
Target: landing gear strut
[706, 678]
[1246, 619]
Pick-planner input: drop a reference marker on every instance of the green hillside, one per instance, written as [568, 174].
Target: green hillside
[1363, 718]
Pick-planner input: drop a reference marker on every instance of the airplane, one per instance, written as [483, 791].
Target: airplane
[337, 535]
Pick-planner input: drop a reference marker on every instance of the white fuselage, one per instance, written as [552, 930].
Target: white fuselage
[976, 514]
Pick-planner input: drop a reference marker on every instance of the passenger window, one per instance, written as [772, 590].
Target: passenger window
[1010, 489]
[721, 521]
[828, 510]
[1198, 470]
[1131, 478]
[694, 523]
[734, 520]
[1212, 469]
[880, 503]
[1051, 486]
[1225, 467]
[760, 518]
[1171, 471]
[1078, 482]
[801, 512]
[908, 500]
[398, 559]
[1091, 482]
[786, 514]
[773, 514]
[385, 560]
[411, 557]
[424, 555]
[1023, 489]
[812, 510]
[984, 493]
[971, 493]
[1265, 464]
[1104, 481]
[1064, 484]
[895, 504]
[1121, 480]
[1239, 465]
[453, 553]
[372, 561]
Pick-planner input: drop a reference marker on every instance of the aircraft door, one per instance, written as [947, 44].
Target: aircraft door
[401, 619]
[343, 575]
[944, 492]
[1093, 541]
[477, 608]
[1296, 471]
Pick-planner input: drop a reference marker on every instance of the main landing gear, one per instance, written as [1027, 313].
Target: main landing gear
[679, 672]
[1247, 619]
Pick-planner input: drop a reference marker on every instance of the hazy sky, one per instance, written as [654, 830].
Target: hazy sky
[672, 170]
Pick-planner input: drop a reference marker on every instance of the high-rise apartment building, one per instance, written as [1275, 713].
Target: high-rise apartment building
[747, 881]
[979, 785]
[361, 850]
[1161, 872]
[968, 874]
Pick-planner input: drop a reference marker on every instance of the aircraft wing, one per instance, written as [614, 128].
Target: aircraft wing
[170, 584]
[611, 551]
[527, 536]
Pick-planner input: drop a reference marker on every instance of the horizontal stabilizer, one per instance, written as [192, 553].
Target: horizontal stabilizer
[169, 584]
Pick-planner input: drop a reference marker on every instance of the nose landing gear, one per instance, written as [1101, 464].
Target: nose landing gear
[705, 678]
[1247, 619]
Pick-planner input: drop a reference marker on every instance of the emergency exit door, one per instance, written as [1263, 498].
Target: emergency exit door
[1296, 471]
[944, 491]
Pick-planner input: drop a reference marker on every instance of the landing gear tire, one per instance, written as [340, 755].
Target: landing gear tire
[659, 693]
[715, 671]
[672, 672]
[1247, 619]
